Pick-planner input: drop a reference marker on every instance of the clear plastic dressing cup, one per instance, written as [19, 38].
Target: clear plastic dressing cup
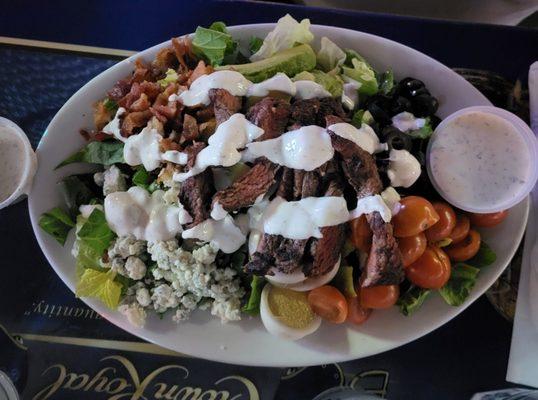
[445, 187]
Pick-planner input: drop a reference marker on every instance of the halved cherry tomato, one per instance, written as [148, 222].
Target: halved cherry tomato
[356, 313]
[383, 296]
[361, 234]
[447, 221]
[461, 229]
[329, 303]
[412, 248]
[488, 220]
[466, 249]
[431, 270]
[416, 215]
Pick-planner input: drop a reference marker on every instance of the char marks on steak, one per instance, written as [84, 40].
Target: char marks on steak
[314, 111]
[286, 185]
[195, 193]
[271, 115]
[244, 191]
[224, 104]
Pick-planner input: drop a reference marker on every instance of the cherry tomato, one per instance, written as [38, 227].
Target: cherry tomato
[431, 270]
[488, 220]
[361, 234]
[412, 248]
[442, 228]
[357, 314]
[416, 215]
[329, 303]
[461, 229]
[466, 249]
[379, 296]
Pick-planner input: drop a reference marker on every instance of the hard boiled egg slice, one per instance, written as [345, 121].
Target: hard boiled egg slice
[279, 278]
[292, 281]
[286, 313]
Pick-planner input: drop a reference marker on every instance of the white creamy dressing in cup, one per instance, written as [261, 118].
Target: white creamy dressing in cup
[483, 159]
[18, 163]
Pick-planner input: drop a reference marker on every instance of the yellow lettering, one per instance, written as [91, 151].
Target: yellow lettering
[54, 386]
[121, 386]
[72, 383]
[251, 388]
[99, 381]
[188, 393]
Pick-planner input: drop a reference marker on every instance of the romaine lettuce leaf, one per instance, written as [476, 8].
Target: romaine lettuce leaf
[96, 233]
[213, 44]
[100, 285]
[332, 83]
[330, 55]
[56, 223]
[386, 82]
[364, 74]
[254, 44]
[422, 133]
[485, 256]
[252, 306]
[142, 178]
[286, 34]
[75, 193]
[461, 282]
[104, 153]
[412, 300]
[344, 281]
[171, 77]
[110, 105]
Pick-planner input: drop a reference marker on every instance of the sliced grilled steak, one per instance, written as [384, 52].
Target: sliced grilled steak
[329, 106]
[244, 191]
[298, 178]
[285, 187]
[224, 104]
[384, 265]
[271, 115]
[195, 193]
[304, 112]
[327, 250]
[190, 128]
[264, 257]
[289, 254]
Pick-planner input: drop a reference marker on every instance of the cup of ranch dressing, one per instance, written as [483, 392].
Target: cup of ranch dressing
[18, 163]
[483, 159]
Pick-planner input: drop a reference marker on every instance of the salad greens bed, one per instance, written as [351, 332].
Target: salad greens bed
[380, 96]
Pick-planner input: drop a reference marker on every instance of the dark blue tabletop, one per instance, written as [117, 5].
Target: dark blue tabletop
[34, 83]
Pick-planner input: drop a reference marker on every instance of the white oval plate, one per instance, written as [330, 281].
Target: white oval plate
[247, 342]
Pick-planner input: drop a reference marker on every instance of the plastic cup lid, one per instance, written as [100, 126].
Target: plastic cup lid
[530, 141]
[28, 161]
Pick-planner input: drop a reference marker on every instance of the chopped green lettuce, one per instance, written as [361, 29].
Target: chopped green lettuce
[344, 281]
[422, 133]
[412, 300]
[362, 117]
[254, 44]
[104, 153]
[142, 178]
[461, 282]
[386, 82]
[287, 33]
[75, 192]
[100, 285]
[332, 83]
[170, 77]
[330, 55]
[110, 105]
[96, 233]
[485, 256]
[213, 44]
[252, 306]
[356, 67]
[56, 223]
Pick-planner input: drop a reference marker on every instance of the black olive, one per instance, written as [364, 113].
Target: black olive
[419, 91]
[387, 131]
[424, 105]
[400, 104]
[411, 83]
[434, 121]
[380, 114]
[399, 141]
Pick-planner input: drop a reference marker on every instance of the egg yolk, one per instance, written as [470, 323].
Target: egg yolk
[290, 307]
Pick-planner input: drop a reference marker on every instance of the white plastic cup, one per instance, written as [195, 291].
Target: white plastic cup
[526, 134]
[28, 161]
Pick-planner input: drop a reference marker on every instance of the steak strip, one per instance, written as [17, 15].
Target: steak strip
[271, 115]
[384, 264]
[224, 104]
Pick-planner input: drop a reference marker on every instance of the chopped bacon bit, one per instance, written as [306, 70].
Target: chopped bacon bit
[208, 128]
[119, 90]
[85, 134]
[151, 90]
[182, 47]
[164, 113]
[141, 104]
[165, 58]
[169, 144]
[205, 114]
[100, 136]
[134, 120]
[94, 136]
[101, 116]
[190, 128]
[201, 69]
[141, 73]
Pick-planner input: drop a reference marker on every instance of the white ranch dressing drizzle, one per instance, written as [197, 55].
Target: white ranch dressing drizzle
[143, 148]
[479, 158]
[280, 83]
[309, 90]
[11, 162]
[305, 148]
[364, 137]
[114, 126]
[302, 219]
[350, 94]
[405, 121]
[198, 93]
[223, 145]
[404, 169]
[224, 234]
[369, 204]
[147, 217]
